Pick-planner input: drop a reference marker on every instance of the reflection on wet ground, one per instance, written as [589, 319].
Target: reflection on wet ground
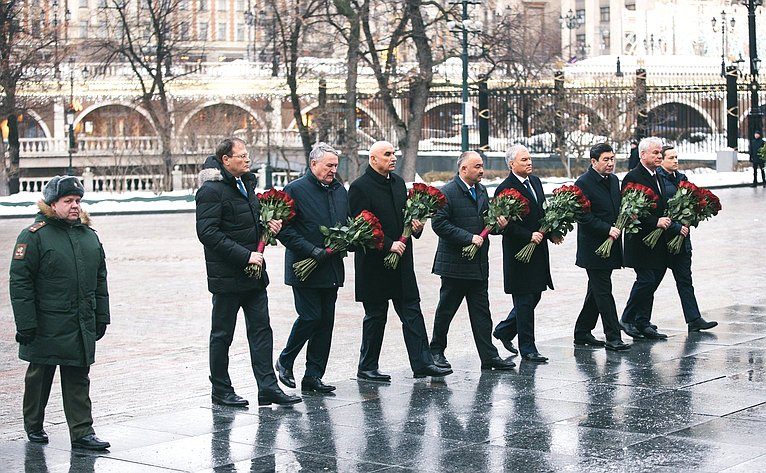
[696, 402]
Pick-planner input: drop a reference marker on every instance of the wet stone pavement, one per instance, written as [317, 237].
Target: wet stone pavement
[695, 402]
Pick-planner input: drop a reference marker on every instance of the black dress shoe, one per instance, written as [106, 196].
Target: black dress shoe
[441, 361]
[589, 340]
[617, 345]
[534, 357]
[432, 370]
[507, 344]
[631, 330]
[285, 375]
[90, 442]
[700, 324]
[497, 363]
[372, 375]
[276, 396]
[314, 384]
[38, 437]
[653, 334]
[229, 399]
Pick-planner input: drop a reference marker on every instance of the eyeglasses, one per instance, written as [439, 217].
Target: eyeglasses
[240, 156]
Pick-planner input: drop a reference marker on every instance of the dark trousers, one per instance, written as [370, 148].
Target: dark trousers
[756, 167]
[598, 300]
[316, 316]
[255, 305]
[521, 322]
[413, 328]
[451, 295]
[638, 310]
[75, 391]
[681, 265]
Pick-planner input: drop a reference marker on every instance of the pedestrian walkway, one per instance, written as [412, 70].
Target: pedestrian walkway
[696, 402]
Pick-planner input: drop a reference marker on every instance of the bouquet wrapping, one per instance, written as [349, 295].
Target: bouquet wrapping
[363, 231]
[275, 205]
[689, 206]
[422, 203]
[567, 205]
[637, 202]
[509, 203]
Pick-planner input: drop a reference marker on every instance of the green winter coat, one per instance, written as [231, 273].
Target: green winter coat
[58, 286]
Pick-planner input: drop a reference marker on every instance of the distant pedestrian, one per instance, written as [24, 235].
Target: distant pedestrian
[320, 200]
[755, 146]
[61, 307]
[228, 226]
[681, 264]
[458, 224]
[633, 159]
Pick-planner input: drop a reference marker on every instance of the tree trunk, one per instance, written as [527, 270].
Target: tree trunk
[13, 151]
[351, 143]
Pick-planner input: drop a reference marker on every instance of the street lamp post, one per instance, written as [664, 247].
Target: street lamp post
[268, 184]
[463, 28]
[755, 118]
[724, 37]
[572, 21]
[69, 115]
[251, 21]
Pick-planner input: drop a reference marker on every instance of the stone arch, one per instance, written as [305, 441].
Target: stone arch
[678, 120]
[91, 108]
[250, 110]
[374, 120]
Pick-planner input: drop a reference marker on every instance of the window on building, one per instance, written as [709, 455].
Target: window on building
[606, 40]
[202, 5]
[222, 5]
[83, 33]
[221, 33]
[103, 29]
[184, 31]
[239, 5]
[630, 5]
[240, 31]
[183, 4]
[604, 14]
[580, 39]
[202, 31]
[580, 13]
[83, 3]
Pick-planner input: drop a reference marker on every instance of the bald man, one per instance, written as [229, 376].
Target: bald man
[384, 193]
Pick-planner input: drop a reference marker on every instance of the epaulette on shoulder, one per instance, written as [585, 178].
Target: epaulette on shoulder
[37, 225]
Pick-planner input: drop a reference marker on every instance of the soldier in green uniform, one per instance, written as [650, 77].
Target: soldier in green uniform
[61, 307]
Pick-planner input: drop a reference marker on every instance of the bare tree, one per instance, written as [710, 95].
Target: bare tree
[147, 35]
[25, 45]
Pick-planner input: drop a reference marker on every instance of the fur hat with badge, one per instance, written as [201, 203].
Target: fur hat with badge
[60, 186]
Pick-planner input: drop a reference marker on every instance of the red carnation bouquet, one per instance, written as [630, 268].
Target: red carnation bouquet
[689, 206]
[567, 205]
[275, 205]
[637, 201]
[363, 231]
[509, 203]
[422, 203]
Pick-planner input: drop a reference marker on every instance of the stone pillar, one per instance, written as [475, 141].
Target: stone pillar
[87, 180]
[176, 179]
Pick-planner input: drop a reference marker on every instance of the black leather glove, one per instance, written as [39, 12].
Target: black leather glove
[26, 336]
[100, 331]
[320, 254]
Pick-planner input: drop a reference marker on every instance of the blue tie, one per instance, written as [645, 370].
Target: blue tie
[529, 188]
[241, 187]
[473, 192]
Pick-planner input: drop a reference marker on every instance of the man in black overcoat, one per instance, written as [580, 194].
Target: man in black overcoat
[459, 223]
[681, 264]
[649, 264]
[524, 281]
[319, 200]
[384, 193]
[602, 188]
